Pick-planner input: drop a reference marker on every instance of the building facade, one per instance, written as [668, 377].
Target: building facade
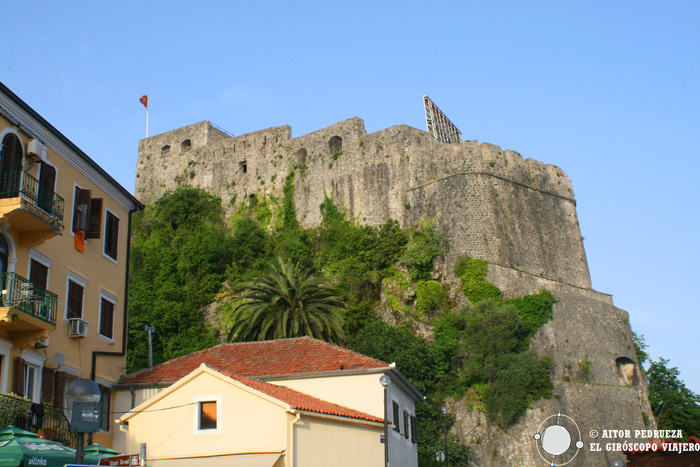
[317, 404]
[64, 246]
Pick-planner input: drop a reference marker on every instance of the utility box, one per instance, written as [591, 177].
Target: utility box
[85, 417]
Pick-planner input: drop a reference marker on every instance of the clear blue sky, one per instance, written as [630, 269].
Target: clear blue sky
[607, 90]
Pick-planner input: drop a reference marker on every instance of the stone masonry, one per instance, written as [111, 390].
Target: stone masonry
[517, 214]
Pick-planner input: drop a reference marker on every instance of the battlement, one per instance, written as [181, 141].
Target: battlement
[491, 204]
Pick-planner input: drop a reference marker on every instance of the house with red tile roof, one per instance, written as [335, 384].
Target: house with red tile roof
[285, 402]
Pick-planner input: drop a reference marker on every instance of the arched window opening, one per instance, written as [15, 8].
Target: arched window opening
[627, 370]
[186, 145]
[4, 254]
[335, 145]
[10, 166]
[165, 151]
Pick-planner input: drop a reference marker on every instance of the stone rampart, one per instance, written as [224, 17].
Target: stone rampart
[491, 204]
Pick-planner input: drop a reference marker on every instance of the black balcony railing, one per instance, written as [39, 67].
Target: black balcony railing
[48, 422]
[14, 183]
[24, 296]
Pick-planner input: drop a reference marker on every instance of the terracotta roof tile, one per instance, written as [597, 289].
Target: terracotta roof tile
[302, 355]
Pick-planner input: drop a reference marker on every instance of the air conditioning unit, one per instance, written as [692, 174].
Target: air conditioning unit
[77, 327]
[36, 151]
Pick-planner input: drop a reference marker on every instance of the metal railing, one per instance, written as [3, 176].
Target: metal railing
[15, 183]
[20, 294]
[48, 422]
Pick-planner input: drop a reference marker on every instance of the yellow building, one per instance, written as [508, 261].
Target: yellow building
[288, 402]
[64, 248]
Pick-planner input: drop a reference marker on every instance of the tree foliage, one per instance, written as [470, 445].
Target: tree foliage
[674, 405]
[180, 253]
[287, 302]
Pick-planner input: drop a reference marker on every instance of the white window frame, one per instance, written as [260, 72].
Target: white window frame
[72, 208]
[113, 300]
[197, 407]
[81, 281]
[36, 362]
[5, 350]
[104, 236]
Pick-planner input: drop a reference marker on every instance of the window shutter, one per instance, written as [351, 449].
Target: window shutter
[19, 377]
[414, 429]
[39, 274]
[47, 182]
[111, 235]
[94, 219]
[107, 318]
[75, 300]
[396, 420]
[81, 210]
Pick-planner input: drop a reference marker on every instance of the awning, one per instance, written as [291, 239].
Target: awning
[230, 460]
[21, 447]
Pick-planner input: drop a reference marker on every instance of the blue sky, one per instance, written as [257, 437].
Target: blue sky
[608, 91]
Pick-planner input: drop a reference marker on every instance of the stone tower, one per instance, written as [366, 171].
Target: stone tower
[517, 214]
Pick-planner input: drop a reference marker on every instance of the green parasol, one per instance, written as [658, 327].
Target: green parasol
[22, 447]
[95, 452]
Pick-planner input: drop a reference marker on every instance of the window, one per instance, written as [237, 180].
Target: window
[397, 426]
[111, 235]
[405, 424]
[30, 377]
[87, 213]
[47, 181]
[186, 145]
[11, 157]
[75, 290]
[165, 151]
[31, 384]
[38, 273]
[414, 429]
[207, 415]
[107, 315]
[244, 166]
[5, 349]
[105, 394]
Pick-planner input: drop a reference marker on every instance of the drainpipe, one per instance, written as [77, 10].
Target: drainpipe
[290, 459]
[93, 372]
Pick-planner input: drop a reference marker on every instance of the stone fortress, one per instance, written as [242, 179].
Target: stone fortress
[517, 214]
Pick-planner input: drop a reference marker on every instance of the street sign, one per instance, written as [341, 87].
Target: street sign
[440, 456]
[127, 460]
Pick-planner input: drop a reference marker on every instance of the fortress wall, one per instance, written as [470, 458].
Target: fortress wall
[492, 204]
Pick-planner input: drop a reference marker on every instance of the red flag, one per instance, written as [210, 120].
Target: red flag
[144, 101]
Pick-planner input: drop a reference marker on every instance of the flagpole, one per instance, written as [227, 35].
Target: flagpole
[146, 122]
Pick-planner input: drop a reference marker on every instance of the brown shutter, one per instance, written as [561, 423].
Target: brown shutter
[81, 209]
[19, 376]
[414, 429]
[107, 318]
[112, 235]
[95, 219]
[39, 274]
[58, 390]
[47, 182]
[47, 377]
[75, 300]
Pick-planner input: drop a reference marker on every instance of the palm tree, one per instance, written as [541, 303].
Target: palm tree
[287, 302]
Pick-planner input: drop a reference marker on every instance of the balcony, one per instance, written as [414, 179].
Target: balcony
[27, 311]
[32, 209]
[48, 422]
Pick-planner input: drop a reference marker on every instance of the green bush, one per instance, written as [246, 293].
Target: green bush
[472, 273]
[426, 244]
[431, 298]
[11, 407]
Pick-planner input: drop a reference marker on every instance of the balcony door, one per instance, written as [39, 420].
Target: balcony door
[4, 255]
[47, 180]
[10, 166]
